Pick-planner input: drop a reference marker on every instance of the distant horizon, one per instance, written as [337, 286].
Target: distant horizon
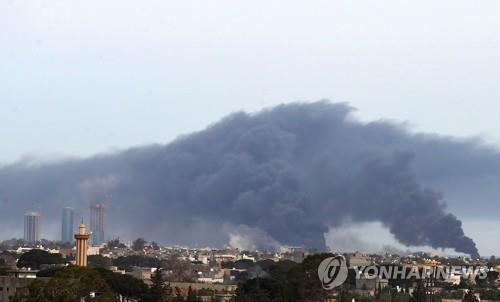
[409, 251]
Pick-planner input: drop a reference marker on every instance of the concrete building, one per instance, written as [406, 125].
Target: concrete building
[93, 250]
[97, 223]
[32, 227]
[9, 285]
[67, 224]
[223, 292]
[371, 285]
[16, 281]
[358, 259]
[143, 273]
[81, 245]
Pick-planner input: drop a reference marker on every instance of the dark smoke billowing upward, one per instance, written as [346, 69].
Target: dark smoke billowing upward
[286, 174]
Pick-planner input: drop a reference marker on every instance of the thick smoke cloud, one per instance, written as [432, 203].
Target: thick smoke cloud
[287, 173]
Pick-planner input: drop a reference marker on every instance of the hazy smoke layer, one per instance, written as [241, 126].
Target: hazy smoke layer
[287, 173]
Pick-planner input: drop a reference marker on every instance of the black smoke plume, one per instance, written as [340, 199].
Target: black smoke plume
[284, 175]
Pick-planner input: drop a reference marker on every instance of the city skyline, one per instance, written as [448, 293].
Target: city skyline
[186, 118]
[250, 151]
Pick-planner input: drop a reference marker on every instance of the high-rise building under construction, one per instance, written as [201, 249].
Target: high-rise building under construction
[32, 227]
[97, 223]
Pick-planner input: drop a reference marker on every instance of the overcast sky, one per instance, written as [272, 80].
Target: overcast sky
[81, 77]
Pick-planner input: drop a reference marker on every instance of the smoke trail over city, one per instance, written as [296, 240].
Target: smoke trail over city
[283, 175]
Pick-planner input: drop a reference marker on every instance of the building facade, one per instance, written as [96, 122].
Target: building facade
[97, 223]
[32, 227]
[67, 224]
[9, 285]
[82, 239]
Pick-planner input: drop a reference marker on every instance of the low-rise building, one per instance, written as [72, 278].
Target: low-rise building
[15, 281]
[358, 259]
[143, 273]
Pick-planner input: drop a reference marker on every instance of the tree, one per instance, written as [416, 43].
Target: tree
[277, 270]
[181, 270]
[72, 284]
[128, 262]
[464, 283]
[159, 291]
[49, 272]
[155, 245]
[493, 261]
[470, 296]
[283, 281]
[115, 243]
[191, 295]
[302, 280]
[419, 294]
[35, 258]
[9, 259]
[260, 289]
[492, 277]
[138, 244]
[178, 295]
[124, 286]
[3, 267]
[98, 261]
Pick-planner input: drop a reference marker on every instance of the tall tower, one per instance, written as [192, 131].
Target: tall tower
[82, 245]
[67, 224]
[31, 227]
[97, 223]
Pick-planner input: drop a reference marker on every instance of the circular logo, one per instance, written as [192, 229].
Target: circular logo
[332, 272]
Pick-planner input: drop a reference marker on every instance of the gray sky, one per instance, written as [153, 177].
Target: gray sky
[80, 77]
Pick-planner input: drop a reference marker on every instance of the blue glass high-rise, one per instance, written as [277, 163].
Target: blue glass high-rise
[67, 226]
